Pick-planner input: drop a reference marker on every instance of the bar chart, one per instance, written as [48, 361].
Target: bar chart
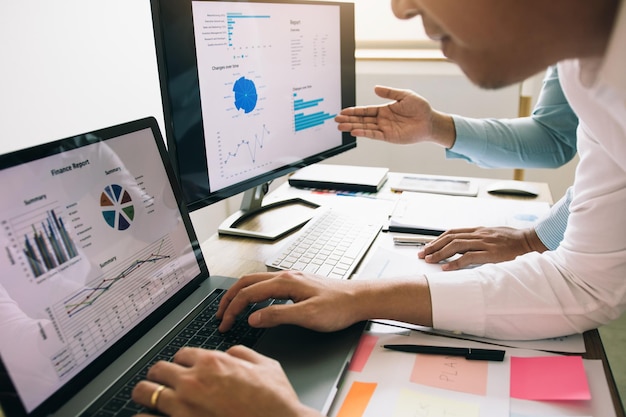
[303, 120]
[44, 239]
[244, 39]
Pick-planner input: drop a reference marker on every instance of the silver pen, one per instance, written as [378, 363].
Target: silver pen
[412, 240]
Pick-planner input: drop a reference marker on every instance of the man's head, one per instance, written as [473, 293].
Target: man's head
[500, 42]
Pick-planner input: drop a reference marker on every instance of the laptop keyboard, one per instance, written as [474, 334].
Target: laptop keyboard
[201, 332]
[332, 244]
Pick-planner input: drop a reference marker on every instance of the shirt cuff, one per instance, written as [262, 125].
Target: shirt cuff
[551, 229]
[457, 302]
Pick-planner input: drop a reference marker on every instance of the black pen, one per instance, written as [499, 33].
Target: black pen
[414, 230]
[468, 353]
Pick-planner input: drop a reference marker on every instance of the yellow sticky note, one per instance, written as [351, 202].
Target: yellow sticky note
[412, 403]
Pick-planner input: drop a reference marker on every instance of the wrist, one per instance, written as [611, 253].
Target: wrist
[443, 129]
[532, 240]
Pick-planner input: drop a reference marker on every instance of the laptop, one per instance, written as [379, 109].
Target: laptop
[102, 275]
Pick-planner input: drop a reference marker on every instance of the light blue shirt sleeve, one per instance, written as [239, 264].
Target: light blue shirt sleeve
[551, 229]
[547, 139]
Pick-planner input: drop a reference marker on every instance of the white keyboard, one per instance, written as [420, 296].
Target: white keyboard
[331, 244]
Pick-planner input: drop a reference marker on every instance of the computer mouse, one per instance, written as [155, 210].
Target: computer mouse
[513, 187]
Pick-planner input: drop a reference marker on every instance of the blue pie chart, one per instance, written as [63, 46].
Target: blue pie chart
[245, 94]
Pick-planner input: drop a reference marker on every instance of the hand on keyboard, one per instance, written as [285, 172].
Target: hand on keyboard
[316, 300]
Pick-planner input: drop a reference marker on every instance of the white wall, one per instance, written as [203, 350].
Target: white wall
[69, 66]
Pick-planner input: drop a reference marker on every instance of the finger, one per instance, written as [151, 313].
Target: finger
[164, 372]
[148, 394]
[356, 127]
[360, 111]
[368, 133]
[390, 93]
[246, 354]
[461, 230]
[259, 290]
[189, 356]
[450, 234]
[241, 283]
[461, 240]
[358, 120]
[451, 248]
[437, 244]
[465, 260]
[277, 314]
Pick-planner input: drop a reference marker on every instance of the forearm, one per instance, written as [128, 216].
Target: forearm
[547, 139]
[406, 300]
[511, 143]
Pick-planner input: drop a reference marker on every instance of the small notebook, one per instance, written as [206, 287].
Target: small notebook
[340, 177]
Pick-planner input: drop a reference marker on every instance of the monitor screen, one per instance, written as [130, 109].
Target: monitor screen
[250, 89]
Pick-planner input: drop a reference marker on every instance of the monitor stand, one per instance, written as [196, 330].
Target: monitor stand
[269, 221]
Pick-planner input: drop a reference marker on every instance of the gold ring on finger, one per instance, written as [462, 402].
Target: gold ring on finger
[155, 396]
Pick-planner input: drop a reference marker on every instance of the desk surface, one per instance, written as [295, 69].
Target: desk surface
[249, 255]
[236, 256]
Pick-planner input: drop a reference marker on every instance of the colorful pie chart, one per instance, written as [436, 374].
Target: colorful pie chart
[117, 207]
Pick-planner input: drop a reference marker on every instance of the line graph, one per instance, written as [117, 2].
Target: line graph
[88, 296]
[95, 316]
[245, 146]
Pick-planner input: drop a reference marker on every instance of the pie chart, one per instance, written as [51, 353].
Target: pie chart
[245, 94]
[117, 207]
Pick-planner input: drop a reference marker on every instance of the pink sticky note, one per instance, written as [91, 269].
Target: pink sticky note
[549, 378]
[452, 373]
[362, 353]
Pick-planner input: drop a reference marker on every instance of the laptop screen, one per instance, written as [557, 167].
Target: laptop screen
[93, 243]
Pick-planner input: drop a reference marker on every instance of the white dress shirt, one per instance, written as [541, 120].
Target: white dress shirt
[582, 284]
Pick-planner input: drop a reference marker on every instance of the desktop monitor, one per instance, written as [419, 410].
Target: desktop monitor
[250, 90]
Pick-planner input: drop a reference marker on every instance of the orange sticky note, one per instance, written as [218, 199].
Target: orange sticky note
[362, 352]
[549, 378]
[357, 399]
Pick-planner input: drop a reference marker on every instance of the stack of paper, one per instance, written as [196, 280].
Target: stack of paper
[442, 212]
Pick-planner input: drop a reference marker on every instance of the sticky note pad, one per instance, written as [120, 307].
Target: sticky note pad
[357, 399]
[549, 378]
[451, 373]
[362, 353]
